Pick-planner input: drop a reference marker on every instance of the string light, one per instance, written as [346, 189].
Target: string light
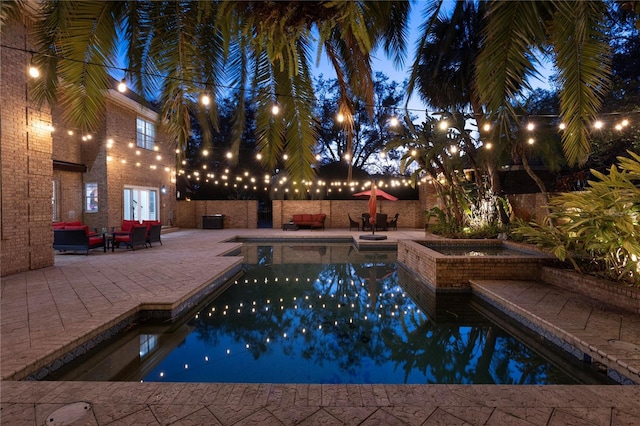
[122, 86]
[205, 100]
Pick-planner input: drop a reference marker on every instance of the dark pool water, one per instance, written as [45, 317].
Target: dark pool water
[328, 314]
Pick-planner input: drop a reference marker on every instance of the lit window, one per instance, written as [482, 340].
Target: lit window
[55, 197]
[146, 133]
[91, 197]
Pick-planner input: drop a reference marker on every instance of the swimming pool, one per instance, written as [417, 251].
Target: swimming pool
[328, 313]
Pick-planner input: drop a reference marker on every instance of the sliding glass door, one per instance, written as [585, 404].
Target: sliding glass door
[140, 203]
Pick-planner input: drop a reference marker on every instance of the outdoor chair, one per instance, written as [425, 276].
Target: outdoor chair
[366, 223]
[393, 223]
[137, 236]
[353, 223]
[381, 221]
[153, 236]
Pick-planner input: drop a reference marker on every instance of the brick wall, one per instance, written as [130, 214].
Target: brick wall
[25, 156]
[338, 211]
[241, 214]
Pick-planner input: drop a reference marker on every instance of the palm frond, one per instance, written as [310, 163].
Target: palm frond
[13, 9]
[513, 32]
[582, 56]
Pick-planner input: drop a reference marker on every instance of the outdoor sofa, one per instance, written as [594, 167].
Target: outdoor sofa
[309, 220]
[76, 238]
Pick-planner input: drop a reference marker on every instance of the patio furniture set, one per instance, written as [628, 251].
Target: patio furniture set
[73, 236]
[381, 223]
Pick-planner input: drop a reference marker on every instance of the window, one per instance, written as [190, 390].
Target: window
[55, 198]
[91, 197]
[148, 342]
[146, 133]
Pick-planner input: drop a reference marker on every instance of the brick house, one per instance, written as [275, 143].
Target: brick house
[124, 171]
[49, 173]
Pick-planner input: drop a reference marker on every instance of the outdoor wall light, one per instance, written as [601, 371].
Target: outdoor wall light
[163, 189]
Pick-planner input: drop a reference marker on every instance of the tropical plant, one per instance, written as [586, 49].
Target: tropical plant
[181, 50]
[596, 230]
[573, 36]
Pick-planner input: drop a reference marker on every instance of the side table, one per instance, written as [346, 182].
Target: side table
[289, 226]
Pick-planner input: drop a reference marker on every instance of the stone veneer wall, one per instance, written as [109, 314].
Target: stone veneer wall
[613, 294]
[25, 157]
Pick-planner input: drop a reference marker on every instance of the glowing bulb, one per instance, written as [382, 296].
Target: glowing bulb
[486, 127]
[488, 145]
[122, 86]
[394, 121]
[531, 126]
[562, 126]
[205, 100]
[453, 149]
[275, 109]
[625, 123]
[598, 124]
[229, 155]
[531, 141]
[34, 72]
[340, 117]
[205, 152]
[70, 132]
[285, 157]
[444, 125]
[259, 156]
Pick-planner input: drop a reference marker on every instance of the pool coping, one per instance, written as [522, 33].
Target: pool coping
[29, 402]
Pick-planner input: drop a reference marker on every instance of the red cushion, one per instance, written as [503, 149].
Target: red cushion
[95, 240]
[75, 223]
[72, 228]
[59, 225]
[318, 217]
[128, 224]
[307, 218]
[122, 238]
[297, 218]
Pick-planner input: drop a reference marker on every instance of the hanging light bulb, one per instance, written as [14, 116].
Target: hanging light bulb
[205, 100]
[122, 86]
[394, 121]
[34, 72]
[275, 109]
[530, 126]
[340, 117]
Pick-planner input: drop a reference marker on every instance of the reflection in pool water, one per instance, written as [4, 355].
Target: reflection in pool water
[304, 320]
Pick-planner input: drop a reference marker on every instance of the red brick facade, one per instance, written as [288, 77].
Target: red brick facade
[25, 156]
[29, 150]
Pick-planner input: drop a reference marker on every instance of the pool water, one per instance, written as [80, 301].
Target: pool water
[328, 314]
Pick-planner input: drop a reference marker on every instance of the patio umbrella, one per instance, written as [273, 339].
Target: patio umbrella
[378, 194]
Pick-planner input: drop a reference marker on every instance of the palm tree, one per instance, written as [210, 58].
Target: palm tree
[570, 34]
[260, 50]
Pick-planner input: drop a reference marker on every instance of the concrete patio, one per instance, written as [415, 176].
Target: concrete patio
[50, 312]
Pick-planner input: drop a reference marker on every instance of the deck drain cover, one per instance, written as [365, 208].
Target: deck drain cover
[626, 346]
[68, 414]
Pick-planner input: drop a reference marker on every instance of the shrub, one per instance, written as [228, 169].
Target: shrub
[596, 230]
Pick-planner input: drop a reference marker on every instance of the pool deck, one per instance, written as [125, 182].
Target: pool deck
[47, 313]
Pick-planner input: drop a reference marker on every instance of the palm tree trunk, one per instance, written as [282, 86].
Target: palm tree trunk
[538, 181]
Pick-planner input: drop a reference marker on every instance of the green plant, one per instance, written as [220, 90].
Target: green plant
[596, 230]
